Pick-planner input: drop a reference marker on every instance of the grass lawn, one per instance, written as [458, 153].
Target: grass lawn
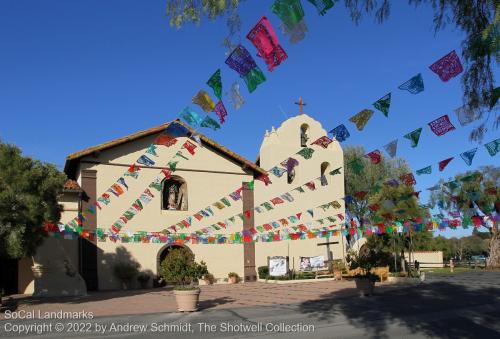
[447, 270]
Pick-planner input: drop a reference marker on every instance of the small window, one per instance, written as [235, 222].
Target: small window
[304, 137]
[325, 169]
[174, 194]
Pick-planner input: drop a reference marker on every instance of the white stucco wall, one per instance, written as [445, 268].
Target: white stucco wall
[427, 258]
[69, 203]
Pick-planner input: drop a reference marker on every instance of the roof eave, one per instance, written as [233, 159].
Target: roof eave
[72, 159]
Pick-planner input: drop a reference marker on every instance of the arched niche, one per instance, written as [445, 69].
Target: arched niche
[324, 171]
[174, 194]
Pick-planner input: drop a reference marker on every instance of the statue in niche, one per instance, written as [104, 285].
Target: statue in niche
[291, 175]
[177, 196]
[303, 137]
[172, 197]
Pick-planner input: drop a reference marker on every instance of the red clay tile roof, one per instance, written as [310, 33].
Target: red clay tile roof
[71, 185]
[72, 159]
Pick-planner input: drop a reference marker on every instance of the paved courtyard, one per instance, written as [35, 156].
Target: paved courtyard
[462, 305]
[212, 297]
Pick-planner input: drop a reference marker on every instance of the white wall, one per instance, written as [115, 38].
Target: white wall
[427, 258]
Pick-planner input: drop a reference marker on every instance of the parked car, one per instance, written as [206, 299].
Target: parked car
[478, 258]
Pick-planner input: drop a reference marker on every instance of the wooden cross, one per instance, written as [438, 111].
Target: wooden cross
[327, 244]
[301, 104]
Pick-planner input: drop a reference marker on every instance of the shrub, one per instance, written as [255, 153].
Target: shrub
[369, 257]
[263, 272]
[366, 259]
[305, 275]
[209, 278]
[282, 277]
[234, 275]
[143, 279]
[339, 265]
[179, 268]
[125, 272]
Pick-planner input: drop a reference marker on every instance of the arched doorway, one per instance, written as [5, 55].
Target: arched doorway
[162, 254]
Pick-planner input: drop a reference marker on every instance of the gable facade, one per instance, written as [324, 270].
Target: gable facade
[209, 175]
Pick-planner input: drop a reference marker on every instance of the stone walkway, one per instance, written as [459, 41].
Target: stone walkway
[212, 297]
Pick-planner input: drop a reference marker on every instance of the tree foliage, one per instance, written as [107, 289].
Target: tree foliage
[191, 11]
[397, 201]
[478, 19]
[28, 198]
[453, 248]
[470, 194]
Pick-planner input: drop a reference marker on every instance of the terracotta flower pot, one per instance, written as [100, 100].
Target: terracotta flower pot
[337, 275]
[364, 285]
[187, 300]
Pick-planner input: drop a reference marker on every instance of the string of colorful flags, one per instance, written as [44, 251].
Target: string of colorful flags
[156, 184]
[271, 225]
[119, 188]
[352, 223]
[407, 179]
[194, 238]
[447, 67]
[300, 232]
[264, 207]
[147, 195]
[290, 163]
[492, 147]
[264, 39]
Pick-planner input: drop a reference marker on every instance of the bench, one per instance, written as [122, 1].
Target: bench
[381, 272]
[324, 273]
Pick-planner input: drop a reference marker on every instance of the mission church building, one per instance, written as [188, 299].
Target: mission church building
[211, 173]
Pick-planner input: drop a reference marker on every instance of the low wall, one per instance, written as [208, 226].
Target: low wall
[427, 259]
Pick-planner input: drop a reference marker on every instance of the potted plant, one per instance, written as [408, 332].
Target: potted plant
[363, 261]
[180, 269]
[143, 279]
[233, 277]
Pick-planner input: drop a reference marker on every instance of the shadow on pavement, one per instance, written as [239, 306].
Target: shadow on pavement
[11, 303]
[205, 304]
[438, 308]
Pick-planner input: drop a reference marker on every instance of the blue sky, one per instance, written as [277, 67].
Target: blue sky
[75, 74]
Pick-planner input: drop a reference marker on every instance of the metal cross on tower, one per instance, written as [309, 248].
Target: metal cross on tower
[301, 104]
